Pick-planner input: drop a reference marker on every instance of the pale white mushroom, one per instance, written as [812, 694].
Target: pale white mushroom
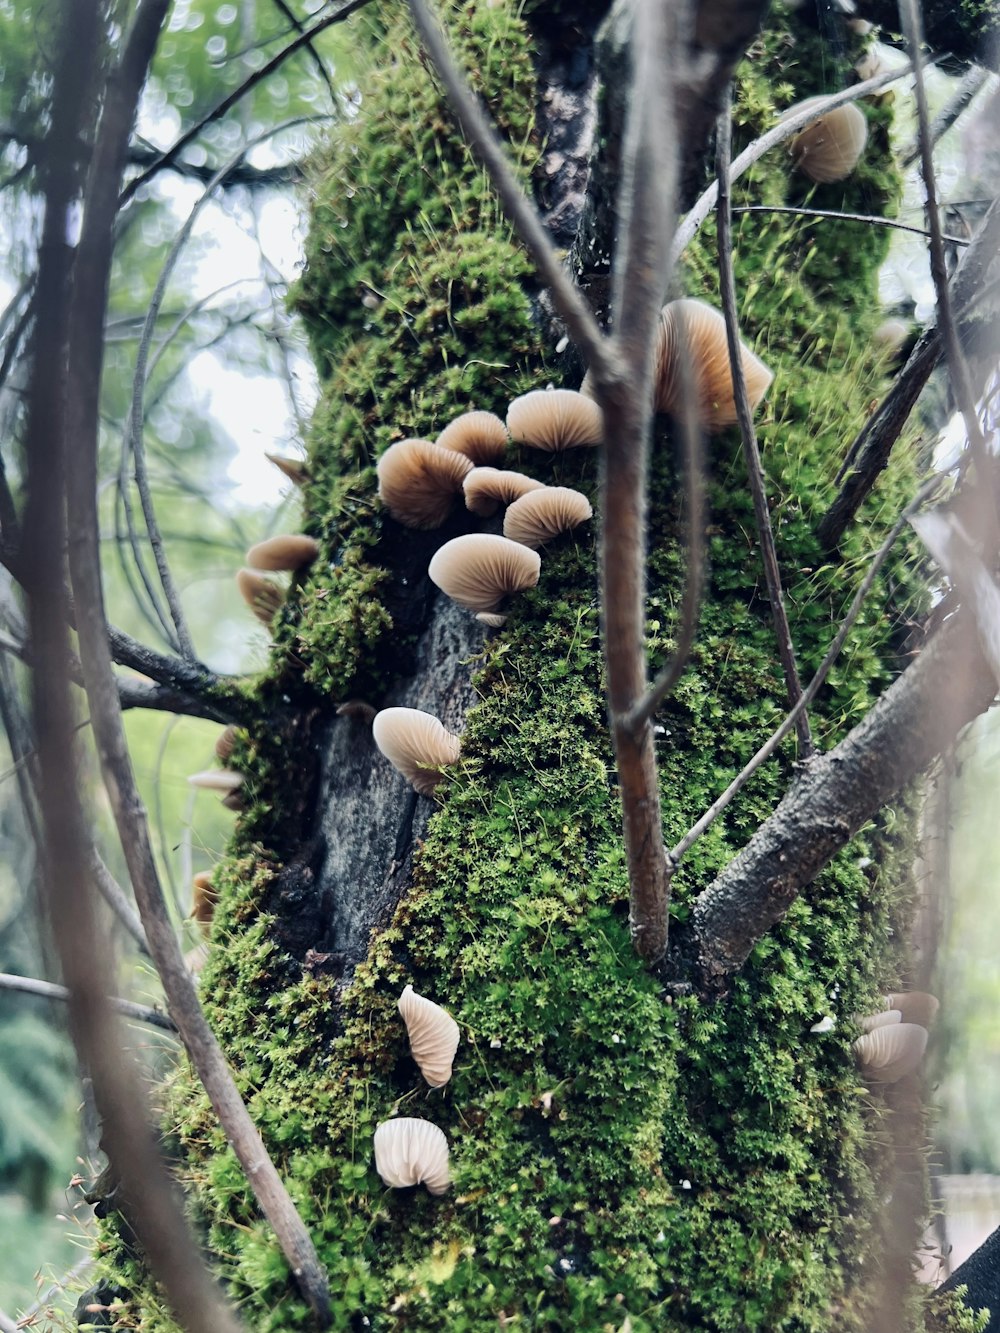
[416, 744]
[555, 419]
[829, 149]
[412, 1152]
[287, 550]
[477, 571]
[217, 779]
[916, 1006]
[264, 598]
[418, 481]
[486, 488]
[539, 516]
[433, 1034]
[480, 436]
[890, 1053]
[869, 1022]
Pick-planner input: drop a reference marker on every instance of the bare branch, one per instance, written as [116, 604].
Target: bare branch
[751, 451]
[218, 698]
[48, 990]
[951, 547]
[317, 60]
[974, 78]
[867, 218]
[521, 212]
[116, 898]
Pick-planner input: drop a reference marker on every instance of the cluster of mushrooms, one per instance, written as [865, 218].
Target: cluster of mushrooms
[894, 1041]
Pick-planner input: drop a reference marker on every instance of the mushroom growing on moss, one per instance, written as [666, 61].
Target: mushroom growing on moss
[479, 436]
[890, 1053]
[829, 149]
[217, 779]
[704, 332]
[555, 419]
[285, 551]
[412, 1152]
[888, 1017]
[416, 744]
[477, 571]
[264, 598]
[433, 1034]
[293, 468]
[204, 896]
[915, 1006]
[539, 516]
[418, 482]
[488, 487]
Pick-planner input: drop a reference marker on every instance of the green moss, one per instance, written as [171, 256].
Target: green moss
[616, 1156]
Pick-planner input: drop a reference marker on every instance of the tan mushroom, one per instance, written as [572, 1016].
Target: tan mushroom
[869, 1022]
[704, 332]
[486, 488]
[293, 468]
[479, 570]
[433, 1034]
[416, 744]
[555, 419]
[412, 1152]
[541, 515]
[216, 779]
[418, 482]
[225, 744]
[491, 618]
[264, 598]
[233, 801]
[480, 436]
[829, 149]
[357, 708]
[890, 1053]
[916, 1006]
[285, 551]
[204, 897]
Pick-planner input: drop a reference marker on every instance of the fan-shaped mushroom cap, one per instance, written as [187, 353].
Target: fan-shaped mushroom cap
[479, 570]
[433, 1034]
[829, 148]
[916, 1006]
[541, 515]
[357, 708]
[487, 487]
[491, 618]
[416, 744]
[217, 779]
[480, 436]
[704, 332]
[293, 468]
[869, 1022]
[418, 481]
[285, 551]
[264, 598]
[412, 1152]
[890, 1053]
[224, 743]
[555, 419]
[204, 896]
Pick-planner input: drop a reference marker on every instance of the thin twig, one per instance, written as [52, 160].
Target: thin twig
[785, 129]
[342, 11]
[974, 78]
[7, 1325]
[116, 898]
[605, 366]
[317, 60]
[55, 1289]
[751, 450]
[867, 218]
[815, 685]
[48, 990]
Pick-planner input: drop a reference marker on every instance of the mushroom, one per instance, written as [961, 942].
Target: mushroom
[416, 744]
[869, 1022]
[916, 1006]
[204, 896]
[555, 419]
[433, 1034]
[285, 551]
[412, 1152]
[417, 482]
[357, 708]
[264, 598]
[829, 148]
[217, 779]
[233, 801]
[477, 571]
[225, 744]
[704, 332]
[890, 1053]
[491, 618]
[487, 487]
[543, 514]
[293, 468]
[480, 436]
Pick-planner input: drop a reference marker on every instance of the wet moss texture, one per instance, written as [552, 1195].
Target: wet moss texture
[621, 1160]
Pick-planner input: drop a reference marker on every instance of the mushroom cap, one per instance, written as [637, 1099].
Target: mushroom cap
[487, 487]
[293, 468]
[232, 801]
[433, 1034]
[491, 618]
[217, 779]
[418, 481]
[543, 514]
[416, 744]
[477, 571]
[285, 551]
[480, 436]
[890, 1053]
[204, 896]
[264, 598]
[916, 1006]
[412, 1152]
[357, 708]
[555, 419]
[869, 1022]
[704, 332]
[829, 148]
[224, 743]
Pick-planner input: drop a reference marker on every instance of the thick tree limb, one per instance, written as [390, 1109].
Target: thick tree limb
[48, 990]
[919, 715]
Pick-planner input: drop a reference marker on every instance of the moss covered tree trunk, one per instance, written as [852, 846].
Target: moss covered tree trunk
[624, 1155]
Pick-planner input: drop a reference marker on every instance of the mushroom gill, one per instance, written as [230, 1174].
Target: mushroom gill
[869, 1022]
[293, 468]
[204, 896]
[479, 436]
[477, 571]
[412, 1152]
[488, 487]
[418, 481]
[704, 333]
[285, 551]
[433, 1034]
[890, 1053]
[264, 598]
[555, 419]
[916, 1006]
[225, 743]
[539, 516]
[416, 744]
[829, 149]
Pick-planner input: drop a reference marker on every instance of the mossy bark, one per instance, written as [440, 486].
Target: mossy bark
[621, 1158]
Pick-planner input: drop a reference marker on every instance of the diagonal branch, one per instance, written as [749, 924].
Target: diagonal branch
[48, 990]
[317, 59]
